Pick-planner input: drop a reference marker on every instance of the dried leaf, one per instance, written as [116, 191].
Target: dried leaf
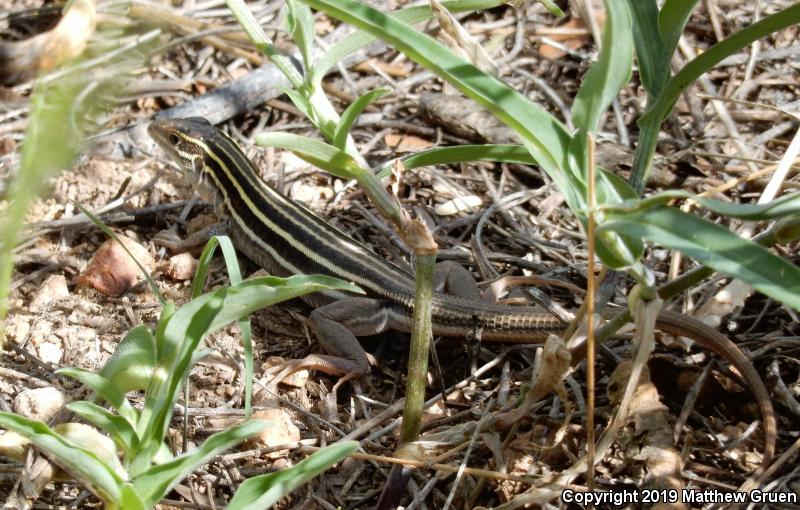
[406, 143]
[572, 38]
[461, 42]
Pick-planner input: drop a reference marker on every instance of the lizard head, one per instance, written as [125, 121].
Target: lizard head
[189, 143]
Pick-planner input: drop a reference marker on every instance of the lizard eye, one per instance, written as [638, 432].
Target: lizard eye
[174, 139]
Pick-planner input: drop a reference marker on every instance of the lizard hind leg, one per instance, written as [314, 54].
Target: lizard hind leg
[336, 327]
[454, 279]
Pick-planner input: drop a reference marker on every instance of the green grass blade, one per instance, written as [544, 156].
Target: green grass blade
[651, 54]
[84, 465]
[409, 15]
[253, 29]
[231, 262]
[117, 427]
[43, 156]
[611, 71]
[716, 53]
[256, 293]
[132, 365]
[599, 88]
[156, 482]
[500, 153]
[545, 136]
[788, 205]
[300, 23]
[204, 263]
[130, 499]
[672, 21]
[179, 338]
[235, 275]
[265, 490]
[303, 104]
[554, 9]
[713, 246]
[659, 108]
[335, 161]
[203, 266]
[316, 152]
[350, 115]
[174, 363]
[105, 389]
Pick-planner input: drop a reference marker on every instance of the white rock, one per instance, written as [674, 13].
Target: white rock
[50, 353]
[280, 431]
[53, 289]
[39, 403]
[458, 204]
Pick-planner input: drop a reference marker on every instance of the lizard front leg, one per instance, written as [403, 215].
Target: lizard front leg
[193, 244]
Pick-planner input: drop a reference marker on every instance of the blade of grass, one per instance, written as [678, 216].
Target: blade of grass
[715, 247]
[300, 23]
[105, 388]
[265, 490]
[156, 482]
[84, 465]
[609, 74]
[350, 115]
[785, 206]
[117, 427]
[651, 53]
[672, 20]
[716, 53]
[179, 337]
[133, 362]
[545, 136]
[658, 109]
[337, 162]
[408, 15]
[235, 275]
[461, 154]
[43, 155]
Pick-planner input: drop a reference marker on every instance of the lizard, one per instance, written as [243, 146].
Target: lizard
[285, 238]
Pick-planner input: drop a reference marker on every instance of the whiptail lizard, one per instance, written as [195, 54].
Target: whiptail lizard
[286, 238]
